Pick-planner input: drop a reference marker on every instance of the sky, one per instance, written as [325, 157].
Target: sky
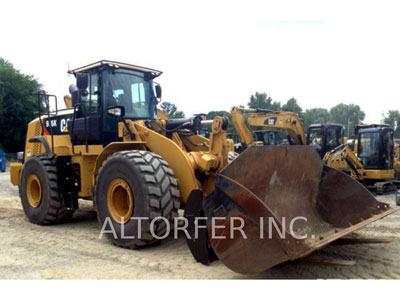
[215, 54]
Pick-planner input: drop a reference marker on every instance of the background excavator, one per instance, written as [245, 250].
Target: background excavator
[323, 137]
[112, 146]
[397, 160]
[370, 160]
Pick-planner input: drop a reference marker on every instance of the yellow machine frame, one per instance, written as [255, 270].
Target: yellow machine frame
[205, 157]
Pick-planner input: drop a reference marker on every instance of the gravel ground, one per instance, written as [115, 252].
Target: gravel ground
[73, 251]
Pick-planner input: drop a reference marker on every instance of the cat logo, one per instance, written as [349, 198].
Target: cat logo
[270, 121]
[64, 125]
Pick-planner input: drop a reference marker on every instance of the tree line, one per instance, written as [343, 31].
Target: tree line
[349, 115]
[18, 108]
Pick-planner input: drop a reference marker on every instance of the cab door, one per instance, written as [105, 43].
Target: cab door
[387, 148]
[85, 126]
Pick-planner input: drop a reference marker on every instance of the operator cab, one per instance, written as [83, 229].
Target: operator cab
[267, 137]
[325, 137]
[375, 146]
[107, 91]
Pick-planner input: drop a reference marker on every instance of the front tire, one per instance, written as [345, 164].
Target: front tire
[134, 184]
[39, 192]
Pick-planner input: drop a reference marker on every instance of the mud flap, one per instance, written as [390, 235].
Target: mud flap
[278, 203]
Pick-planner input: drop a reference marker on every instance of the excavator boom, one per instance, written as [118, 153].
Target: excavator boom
[244, 118]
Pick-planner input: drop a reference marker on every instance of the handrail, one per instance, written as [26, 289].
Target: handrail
[40, 94]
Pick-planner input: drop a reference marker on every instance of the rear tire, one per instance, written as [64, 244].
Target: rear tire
[38, 190]
[135, 184]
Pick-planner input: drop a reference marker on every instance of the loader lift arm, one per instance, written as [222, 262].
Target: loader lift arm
[244, 118]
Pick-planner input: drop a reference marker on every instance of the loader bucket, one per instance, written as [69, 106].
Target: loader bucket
[278, 203]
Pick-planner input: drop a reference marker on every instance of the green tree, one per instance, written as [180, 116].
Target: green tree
[315, 115]
[262, 100]
[17, 105]
[393, 118]
[291, 105]
[171, 110]
[212, 114]
[349, 115]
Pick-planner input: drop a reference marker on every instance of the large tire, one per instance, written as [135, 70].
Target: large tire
[38, 190]
[148, 189]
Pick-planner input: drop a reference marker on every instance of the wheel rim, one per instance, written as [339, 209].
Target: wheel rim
[34, 190]
[119, 201]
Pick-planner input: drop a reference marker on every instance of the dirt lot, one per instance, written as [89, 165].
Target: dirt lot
[74, 251]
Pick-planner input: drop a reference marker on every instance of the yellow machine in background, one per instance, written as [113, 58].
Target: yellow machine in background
[371, 159]
[112, 146]
[323, 137]
[397, 160]
[244, 118]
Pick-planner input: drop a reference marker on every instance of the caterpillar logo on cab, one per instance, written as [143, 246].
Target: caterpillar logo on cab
[57, 124]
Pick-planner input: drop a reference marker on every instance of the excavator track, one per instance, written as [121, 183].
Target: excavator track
[386, 187]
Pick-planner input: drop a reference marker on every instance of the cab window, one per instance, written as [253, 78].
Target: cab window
[333, 139]
[90, 101]
[316, 137]
[130, 90]
[368, 150]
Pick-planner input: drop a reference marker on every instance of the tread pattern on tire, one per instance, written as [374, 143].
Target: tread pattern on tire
[57, 211]
[161, 186]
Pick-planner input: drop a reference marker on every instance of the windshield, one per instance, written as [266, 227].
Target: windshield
[131, 90]
[333, 138]
[267, 137]
[368, 150]
[315, 137]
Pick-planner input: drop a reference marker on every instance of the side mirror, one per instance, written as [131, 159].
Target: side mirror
[158, 91]
[117, 111]
[82, 81]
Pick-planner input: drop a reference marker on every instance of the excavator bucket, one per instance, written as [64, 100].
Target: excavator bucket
[278, 203]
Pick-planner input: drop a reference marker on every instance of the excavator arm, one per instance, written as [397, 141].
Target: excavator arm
[243, 119]
[343, 153]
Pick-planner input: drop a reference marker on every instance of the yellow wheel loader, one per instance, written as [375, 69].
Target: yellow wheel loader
[111, 145]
